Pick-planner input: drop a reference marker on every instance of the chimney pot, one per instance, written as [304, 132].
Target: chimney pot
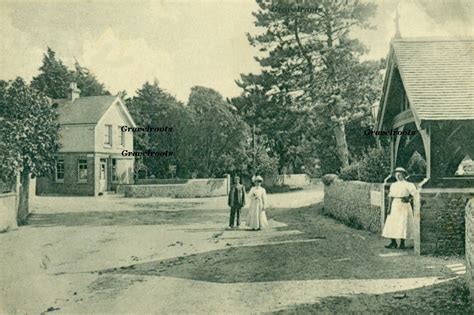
[74, 92]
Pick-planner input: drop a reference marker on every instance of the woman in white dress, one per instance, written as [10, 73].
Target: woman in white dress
[400, 223]
[256, 218]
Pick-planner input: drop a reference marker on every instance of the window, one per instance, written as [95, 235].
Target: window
[60, 171]
[114, 170]
[82, 171]
[466, 167]
[121, 137]
[108, 135]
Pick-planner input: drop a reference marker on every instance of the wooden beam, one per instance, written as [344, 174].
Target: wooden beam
[403, 118]
[397, 144]
[383, 106]
[454, 132]
[426, 137]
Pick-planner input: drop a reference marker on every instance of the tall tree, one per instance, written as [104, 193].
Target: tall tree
[315, 64]
[220, 136]
[54, 77]
[87, 82]
[152, 106]
[29, 136]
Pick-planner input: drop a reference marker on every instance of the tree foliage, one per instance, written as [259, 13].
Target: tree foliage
[152, 106]
[208, 138]
[54, 78]
[87, 82]
[29, 135]
[312, 77]
[220, 136]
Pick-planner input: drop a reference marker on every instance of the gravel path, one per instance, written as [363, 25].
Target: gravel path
[115, 255]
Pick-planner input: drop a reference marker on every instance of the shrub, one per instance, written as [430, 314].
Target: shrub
[416, 164]
[328, 179]
[373, 166]
[350, 172]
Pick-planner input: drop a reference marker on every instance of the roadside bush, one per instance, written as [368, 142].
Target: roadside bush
[328, 179]
[350, 172]
[372, 167]
[375, 165]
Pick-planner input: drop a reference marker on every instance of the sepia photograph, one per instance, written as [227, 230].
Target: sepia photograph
[236, 157]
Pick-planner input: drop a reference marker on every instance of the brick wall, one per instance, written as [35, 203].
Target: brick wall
[70, 186]
[442, 221]
[470, 246]
[350, 202]
[194, 188]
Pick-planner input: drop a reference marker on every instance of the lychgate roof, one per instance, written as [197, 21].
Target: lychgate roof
[438, 76]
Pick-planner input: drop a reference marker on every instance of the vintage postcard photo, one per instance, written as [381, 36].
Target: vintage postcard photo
[236, 157]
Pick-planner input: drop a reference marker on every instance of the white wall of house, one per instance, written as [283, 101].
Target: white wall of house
[116, 118]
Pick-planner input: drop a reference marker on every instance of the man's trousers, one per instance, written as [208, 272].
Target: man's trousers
[234, 216]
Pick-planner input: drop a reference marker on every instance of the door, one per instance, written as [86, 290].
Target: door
[103, 175]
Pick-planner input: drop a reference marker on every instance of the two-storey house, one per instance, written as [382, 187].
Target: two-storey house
[90, 160]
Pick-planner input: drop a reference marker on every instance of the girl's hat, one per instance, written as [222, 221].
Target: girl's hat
[400, 170]
[257, 179]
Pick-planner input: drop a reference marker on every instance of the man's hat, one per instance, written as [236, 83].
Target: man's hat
[401, 170]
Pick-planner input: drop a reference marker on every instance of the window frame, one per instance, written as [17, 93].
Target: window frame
[121, 137]
[56, 178]
[82, 162]
[108, 131]
[114, 175]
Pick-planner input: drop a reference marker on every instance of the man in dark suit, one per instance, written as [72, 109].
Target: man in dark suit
[236, 201]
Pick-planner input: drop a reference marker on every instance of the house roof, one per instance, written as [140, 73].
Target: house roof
[438, 76]
[83, 110]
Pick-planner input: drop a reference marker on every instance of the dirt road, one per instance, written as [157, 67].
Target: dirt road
[117, 255]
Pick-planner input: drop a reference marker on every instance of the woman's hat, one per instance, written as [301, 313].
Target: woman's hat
[257, 179]
[400, 170]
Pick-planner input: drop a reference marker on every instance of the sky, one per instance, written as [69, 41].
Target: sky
[181, 43]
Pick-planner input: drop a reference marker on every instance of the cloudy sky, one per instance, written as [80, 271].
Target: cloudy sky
[180, 43]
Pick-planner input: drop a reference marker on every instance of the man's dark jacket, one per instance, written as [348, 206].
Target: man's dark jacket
[238, 202]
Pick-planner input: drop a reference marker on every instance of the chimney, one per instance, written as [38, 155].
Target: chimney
[74, 92]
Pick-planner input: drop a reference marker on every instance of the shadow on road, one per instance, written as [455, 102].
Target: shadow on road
[125, 218]
[326, 249]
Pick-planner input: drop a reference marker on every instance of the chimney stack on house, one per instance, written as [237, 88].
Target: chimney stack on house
[74, 92]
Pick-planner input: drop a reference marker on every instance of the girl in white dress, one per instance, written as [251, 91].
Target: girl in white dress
[400, 223]
[256, 218]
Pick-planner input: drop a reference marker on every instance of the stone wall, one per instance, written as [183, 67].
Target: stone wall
[8, 206]
[442, 221]
[194, 188]
[470, 246]
[350, 202]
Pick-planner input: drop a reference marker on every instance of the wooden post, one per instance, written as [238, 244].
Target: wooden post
[397, 144]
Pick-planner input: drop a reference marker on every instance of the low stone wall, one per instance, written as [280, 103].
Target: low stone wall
[442, 220]
[470, 246]
[352, 203]
[294, 180]
[194, 188]
[8, 206]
